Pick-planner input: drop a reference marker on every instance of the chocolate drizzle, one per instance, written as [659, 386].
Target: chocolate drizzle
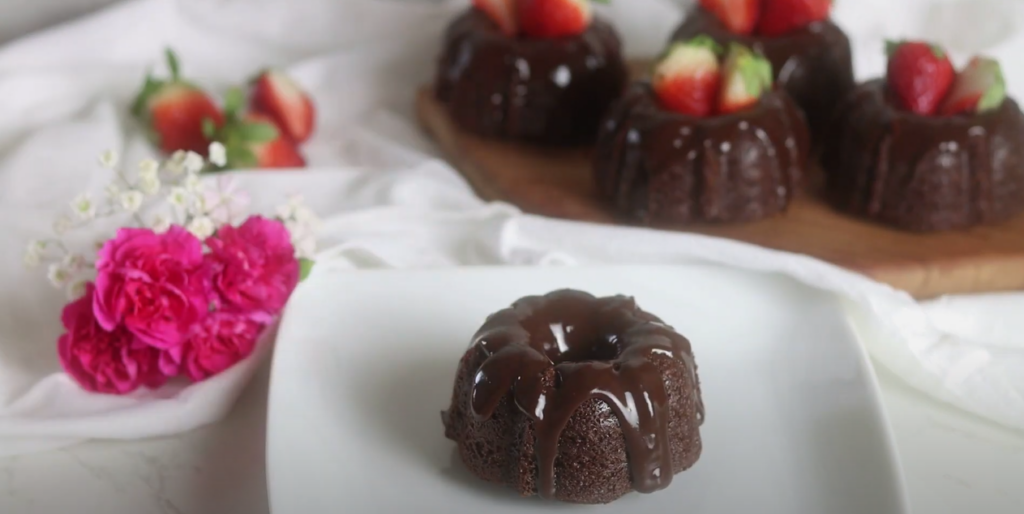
[655, 166]
[544, 91]
[925, 173]
[601, 348]
[814, 64]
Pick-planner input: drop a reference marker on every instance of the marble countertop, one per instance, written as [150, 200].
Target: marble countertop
[953, 464]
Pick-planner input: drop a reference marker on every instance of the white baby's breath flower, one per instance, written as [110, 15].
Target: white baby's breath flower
[58, 275]
[218, 154]
[193, 162]
[160, 223]
[73, 262]
[149, 185]
[131, 201]
[148, 167]
[109, 159]
[284, 211]
[113, 192]
[305, 247]
[179, 197]
[176, 163]
[201, 227]
[34, 254]
[62, 225]
[76, 289]
[193, 183]
[83, 206]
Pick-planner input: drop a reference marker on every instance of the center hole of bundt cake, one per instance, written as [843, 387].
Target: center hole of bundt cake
[568, 342]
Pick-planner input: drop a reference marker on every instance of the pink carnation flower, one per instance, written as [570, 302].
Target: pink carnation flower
[219, 342]
[155, 284]
[254, 266]
[102, 361]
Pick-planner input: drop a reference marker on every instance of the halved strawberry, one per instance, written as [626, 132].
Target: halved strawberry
[978, 88]
[174, 111]
[278, 96]
[686, 78]
[554, 18]
[780, 17]
[745, 78]
[919, 75]
[253, 140]
[502, 12]
[739, 16]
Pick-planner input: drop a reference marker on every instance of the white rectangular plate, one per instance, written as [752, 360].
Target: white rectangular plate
[365, 363]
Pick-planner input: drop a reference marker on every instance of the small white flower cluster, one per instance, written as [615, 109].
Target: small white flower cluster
[190, 203]
[302, 223]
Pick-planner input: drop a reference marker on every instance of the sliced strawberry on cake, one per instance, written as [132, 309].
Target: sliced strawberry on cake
[919, 75]
[780, 17]
[554, 18]
[746, 76]
[978, 88]
[739, 16]
[686, 79]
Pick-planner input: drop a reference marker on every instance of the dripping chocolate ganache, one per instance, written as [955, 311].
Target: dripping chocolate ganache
[577, 398]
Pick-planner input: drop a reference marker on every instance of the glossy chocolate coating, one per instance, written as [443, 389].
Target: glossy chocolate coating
[925, 173]
[813, 64]
[654, 166]
[551, 356]
[543, 91]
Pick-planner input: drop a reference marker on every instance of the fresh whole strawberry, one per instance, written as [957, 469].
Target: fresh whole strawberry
[554, 18]
[746, 76]
[779, 17]
[919, 75]
[279, 97]
[739, 16]
[253, 140]
[174, 111]
[687, 77]
[502, 13]
[978, 88]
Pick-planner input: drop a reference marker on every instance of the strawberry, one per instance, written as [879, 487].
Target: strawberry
[780, 17]
[919, 75]
[252, 140]
[739, 16]
[174, 111]
[978, 88]
[745, 77]
[554, 18]
[280, 98]
[686, 79]
[501, 12]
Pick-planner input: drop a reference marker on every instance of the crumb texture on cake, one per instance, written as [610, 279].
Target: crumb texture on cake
[653, 166]
[543, 91]
[925, 173]
[577, 398]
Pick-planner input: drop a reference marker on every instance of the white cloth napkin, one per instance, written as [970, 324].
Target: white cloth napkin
[388, 199]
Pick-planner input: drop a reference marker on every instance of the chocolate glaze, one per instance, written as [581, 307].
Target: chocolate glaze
[813, 64]
[925, 173]
[603, 348]
[543, 91]
[655, 166]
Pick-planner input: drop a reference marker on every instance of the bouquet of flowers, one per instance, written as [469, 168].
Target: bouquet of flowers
[185, 289]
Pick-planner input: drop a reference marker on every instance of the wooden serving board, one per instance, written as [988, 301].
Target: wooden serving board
[557, 183]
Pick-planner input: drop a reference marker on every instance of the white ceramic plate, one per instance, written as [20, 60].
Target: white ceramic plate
[365, 363]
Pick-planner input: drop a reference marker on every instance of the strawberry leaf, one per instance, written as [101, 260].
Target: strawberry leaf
[240, 156]
[707, 42]
[234, 99]
[209, 128]
[149, 88]
[172, 63]
[305, 267]
[258, 132]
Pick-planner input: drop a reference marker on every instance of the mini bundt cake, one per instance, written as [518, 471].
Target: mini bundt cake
[546, 399]
[535, 89]
[949, 156]
[810, 54]
[659, 161]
